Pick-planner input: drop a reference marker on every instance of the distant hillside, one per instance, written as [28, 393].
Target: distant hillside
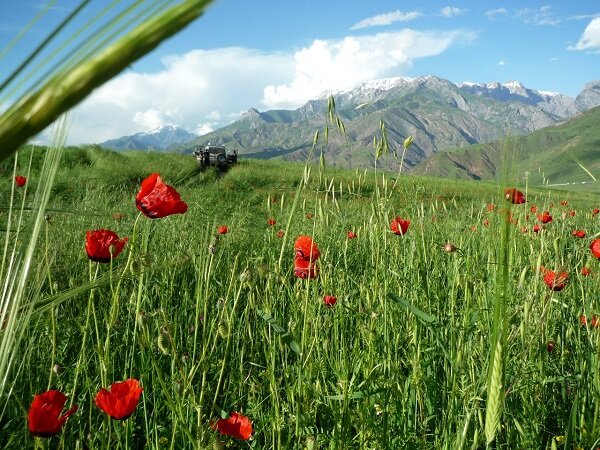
[436, 112]
[551, 154]
[163, 138]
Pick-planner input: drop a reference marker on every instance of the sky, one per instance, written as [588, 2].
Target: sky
[264, 54]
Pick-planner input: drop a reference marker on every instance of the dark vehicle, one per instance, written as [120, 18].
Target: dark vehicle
[215, 155]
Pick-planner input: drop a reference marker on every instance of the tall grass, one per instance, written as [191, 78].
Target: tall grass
[397, 363]
[217, 323]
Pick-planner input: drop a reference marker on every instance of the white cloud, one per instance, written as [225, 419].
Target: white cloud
[206, 89]
[540, 16]
[451, 11]
[502, 63]
[590, 39]
[492, 13]
[193, 89]
[205, 128]
[343, 64]
[150, 119]
[386, 19]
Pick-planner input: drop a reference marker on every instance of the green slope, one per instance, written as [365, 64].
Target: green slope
[553, 155]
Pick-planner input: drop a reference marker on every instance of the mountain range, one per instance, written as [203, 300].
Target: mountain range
[160, 139]
[439, 114]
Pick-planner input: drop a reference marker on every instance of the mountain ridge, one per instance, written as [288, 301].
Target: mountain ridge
[438, 113]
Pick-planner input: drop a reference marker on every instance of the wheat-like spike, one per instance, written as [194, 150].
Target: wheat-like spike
[493, 408]
[34, 112]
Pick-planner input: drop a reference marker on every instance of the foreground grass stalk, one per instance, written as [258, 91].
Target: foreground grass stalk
[15, 289]
[36, 111]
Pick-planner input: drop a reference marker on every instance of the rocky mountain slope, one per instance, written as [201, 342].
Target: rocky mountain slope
[162, 138]
[436, 112]
[553, 155]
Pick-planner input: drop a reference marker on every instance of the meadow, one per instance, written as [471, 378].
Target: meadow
[445, 336]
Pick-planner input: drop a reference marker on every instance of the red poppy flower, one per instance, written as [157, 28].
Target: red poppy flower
[120, 401]
[572, 213]
[564, 203]
[309, 215]
[579, 233]
[595, 211]
[329, 300]
[45, 419]
[306, 249]
[485, 223]
[271, 221]
[223, 229]
[399, 226]
[280, 233]
[20, 181]
[473, 228]
[514, 196]
[545, 217]
[595, 248]
[99, 244]
[236, 425]
[490, 207]
[555, 281]
[351, 235]
[595, 322]
[157, 199]
[534, 209]
[537, 228]
[585, 271]
[305, 269]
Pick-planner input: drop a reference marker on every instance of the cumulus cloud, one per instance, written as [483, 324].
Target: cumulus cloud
[492, 13]
[386, 19]
[502, 63]
[451, 11]
[590, 39]
[203, 90]
[341, 65]
[198, 90]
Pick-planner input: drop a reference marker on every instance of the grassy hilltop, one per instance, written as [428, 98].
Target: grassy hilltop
[214, 323]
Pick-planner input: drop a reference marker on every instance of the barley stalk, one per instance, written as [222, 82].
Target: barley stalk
[35, 111]
[493, 408]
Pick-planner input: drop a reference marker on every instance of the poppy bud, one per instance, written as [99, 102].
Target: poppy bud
[449, 248]
[550, 346]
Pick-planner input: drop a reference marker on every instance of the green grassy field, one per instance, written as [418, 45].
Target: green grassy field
[212, 324]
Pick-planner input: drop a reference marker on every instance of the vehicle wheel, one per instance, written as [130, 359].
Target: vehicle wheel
[221, 159]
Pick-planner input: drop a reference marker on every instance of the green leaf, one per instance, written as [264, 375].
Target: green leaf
[286, 336]
[355, 395]
[412, 308]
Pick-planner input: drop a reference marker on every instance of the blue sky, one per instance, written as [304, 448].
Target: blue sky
[279, 54]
